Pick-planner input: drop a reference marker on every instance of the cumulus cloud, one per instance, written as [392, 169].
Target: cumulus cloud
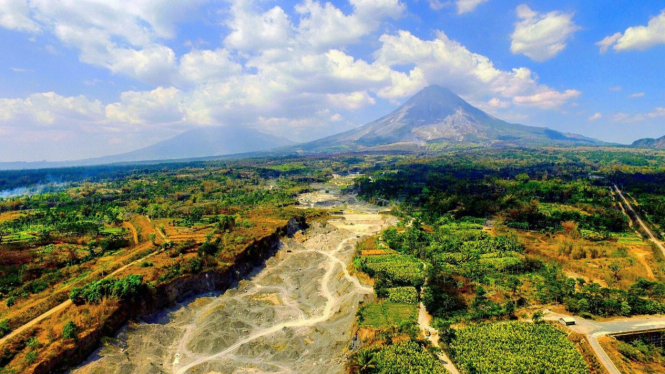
[637, 37]
[46, 109]
[541, 36]
[124, 36]
[355, 100]
[15, 15]
[254, 31]
[161, 105]
[326, 26]
[595, 117]
[200, 66]
[447, 62]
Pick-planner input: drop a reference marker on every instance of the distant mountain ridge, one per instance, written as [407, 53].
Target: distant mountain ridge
[650, 143]
[198, 143]
[436, 114]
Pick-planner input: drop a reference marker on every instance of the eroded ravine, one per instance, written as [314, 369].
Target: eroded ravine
[292, 316]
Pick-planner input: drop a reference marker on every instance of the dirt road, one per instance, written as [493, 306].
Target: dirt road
[64, 305]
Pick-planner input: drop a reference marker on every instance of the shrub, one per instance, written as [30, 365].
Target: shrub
[33, 344]
[11, 300]
[70, 331]
[630, 352]
[195, 265]
[122, 288]
[31, 357]
[4, 328]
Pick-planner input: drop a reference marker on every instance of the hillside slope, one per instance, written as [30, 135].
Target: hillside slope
[650, 143]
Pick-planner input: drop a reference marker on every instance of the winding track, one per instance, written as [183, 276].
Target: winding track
[328, 311]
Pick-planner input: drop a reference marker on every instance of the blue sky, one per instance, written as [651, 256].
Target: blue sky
[86, 78]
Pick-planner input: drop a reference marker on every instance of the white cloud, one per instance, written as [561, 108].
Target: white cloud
[355, 100]
[658, 112]
[447, 62]
[466, 6]
[595, 117]
[200, 66]
[46, 109]
[608, 42]
[636, 95]
[541, 36]
[124, 36]
[637, 37]
[548, 99]
[496, 103]
[159, 106]
[616, 88]
[326, 26]
[15, 15]
[628, 118]
[253, 31]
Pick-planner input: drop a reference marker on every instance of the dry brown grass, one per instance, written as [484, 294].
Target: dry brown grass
[592, 260]
[625, 365]
[8, 216]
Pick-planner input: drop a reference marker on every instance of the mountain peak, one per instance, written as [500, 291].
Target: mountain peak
[436, 114]
[436, 93]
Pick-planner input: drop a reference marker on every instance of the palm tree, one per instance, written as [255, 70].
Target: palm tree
[363, 362]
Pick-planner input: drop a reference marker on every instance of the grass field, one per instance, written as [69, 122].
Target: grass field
[387, 314]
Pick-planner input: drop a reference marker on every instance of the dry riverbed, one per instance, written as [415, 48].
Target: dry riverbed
[292, 316]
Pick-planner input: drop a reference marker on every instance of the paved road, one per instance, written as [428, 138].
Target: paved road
[593, 330]
[639, 220]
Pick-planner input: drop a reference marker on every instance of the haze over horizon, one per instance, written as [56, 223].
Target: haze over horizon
[95, 77]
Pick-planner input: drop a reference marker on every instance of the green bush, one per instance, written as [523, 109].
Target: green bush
[195, 266]
[4, 328]
[33, 344]
[31, 357]
[122, 288]
[11, 300]
[70, 331]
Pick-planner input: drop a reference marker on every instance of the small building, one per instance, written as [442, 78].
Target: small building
[567, 321]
